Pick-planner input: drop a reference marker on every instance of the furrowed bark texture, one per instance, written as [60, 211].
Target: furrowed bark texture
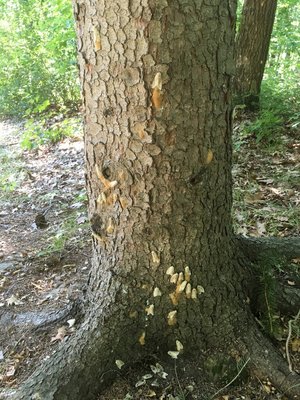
[273, 250]
[258, 249]
[155, 81]
[252, 46]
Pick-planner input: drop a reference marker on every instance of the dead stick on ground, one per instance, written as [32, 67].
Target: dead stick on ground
[291, 321]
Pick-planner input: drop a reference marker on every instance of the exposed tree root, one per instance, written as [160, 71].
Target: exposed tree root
[82, 365]
[86, 363]
[257, 249]
[267, 363]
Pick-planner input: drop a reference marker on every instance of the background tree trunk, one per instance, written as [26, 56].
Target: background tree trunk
[252, 46]
[165, 275]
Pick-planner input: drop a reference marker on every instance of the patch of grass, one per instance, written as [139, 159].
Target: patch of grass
[267, 127]
[67, 232]
[12, 171]
[41, 132]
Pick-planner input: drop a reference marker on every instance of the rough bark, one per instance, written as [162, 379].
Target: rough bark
[155, 81]
[288, 297]
[267, 250]
[252, 46]
[258, 249]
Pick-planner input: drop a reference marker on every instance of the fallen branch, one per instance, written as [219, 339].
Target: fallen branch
[291, 321]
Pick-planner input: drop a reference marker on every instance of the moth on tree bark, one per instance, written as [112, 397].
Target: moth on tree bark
[168, 276]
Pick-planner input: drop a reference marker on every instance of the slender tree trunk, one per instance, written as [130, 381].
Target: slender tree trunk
[166, 275]
[252, 48]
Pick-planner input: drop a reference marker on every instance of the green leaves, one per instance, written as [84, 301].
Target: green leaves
[40, 132]
[38, 57]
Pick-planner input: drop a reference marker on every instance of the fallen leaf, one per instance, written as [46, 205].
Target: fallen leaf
[261, 228]
[267, 388]
[179, 346]
[254, 198]
[61, 333]
[119, 363]
[76, 205]
[242, 230]
[140, 383]
[151, 393]
[11, 371]
[275, 191]
[147, 376]
[296, 345]
[296, 260]
[81, 220]
[71, 322]
[173, 354]
[158, 369]
[291, 283]
[13, 300]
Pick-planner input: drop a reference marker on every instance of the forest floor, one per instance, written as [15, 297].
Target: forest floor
[45, 252]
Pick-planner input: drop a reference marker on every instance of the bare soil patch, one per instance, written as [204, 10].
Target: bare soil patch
[43, 268]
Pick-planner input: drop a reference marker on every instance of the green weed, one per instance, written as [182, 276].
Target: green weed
[66, 233]
[39, 133]
[266, 128]
[12, 171]
[38, 69]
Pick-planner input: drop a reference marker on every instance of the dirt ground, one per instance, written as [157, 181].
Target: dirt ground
[45, 250]
[42, 267]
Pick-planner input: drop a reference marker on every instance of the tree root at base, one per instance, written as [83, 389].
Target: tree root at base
[257, 249]
[267, 363]
[82, 365]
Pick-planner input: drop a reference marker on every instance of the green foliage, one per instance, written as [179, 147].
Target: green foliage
[66, 233]
[38, 57]
[266, 127]
[12, 171]
[267, 289]
[281, 85]
[280, 90]
[40, 132]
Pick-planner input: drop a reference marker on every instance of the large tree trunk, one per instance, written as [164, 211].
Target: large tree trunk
[155, 80]
[252, 48]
